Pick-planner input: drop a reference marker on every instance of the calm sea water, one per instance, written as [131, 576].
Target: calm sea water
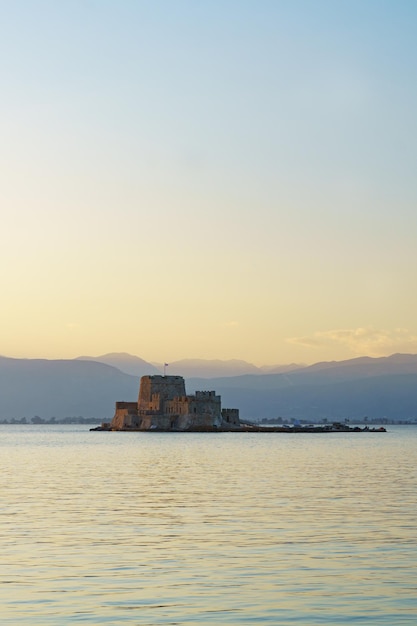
[154, 528]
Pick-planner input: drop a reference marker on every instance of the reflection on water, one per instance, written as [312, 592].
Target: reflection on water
[166, 528]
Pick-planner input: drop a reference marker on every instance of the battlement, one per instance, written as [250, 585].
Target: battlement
[159, 378]
[205, 394]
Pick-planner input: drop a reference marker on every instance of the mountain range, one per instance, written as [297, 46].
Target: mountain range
[89, 386]
[202, 368]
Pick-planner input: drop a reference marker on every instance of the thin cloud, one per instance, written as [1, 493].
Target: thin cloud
[306, 342]
[368, 340]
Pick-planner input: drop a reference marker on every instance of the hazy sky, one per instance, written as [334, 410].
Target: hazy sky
[208, 179]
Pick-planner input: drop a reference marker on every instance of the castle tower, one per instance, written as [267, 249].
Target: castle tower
[154, 391]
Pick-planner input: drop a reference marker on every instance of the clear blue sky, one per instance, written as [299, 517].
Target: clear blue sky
[226, 179]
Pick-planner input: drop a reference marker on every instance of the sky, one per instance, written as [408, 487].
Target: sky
[230, 179]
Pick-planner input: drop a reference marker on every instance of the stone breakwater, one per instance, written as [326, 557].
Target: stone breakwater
[328, 428]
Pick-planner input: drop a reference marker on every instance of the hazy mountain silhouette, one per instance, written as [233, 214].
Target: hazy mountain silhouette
[205, 368]
[373, 387]
[365, 386]
[216, 368]
[127, 363]
[325, 373]
[280, 369]
[66, 388]
[393, 397]
[201, 368]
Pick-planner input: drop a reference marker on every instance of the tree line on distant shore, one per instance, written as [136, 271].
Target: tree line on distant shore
[52, 420]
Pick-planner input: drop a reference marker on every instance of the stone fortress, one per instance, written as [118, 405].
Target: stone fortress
[163, 405]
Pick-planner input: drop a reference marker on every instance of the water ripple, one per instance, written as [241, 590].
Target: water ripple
[150, 529]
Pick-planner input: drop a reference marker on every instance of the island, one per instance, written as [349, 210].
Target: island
[163, 405]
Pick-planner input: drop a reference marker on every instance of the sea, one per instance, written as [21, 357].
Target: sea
[207, 528]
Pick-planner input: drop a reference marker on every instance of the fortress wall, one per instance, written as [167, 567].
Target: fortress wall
[125, 415]
[178, 406]
[145, 422]
[130, 406]
[204, 410]
[230, 417]
[194, 422]
[207, 403]
[145, 393]
[161, 422]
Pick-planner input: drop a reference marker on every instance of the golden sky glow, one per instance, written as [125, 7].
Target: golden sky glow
[209, 180]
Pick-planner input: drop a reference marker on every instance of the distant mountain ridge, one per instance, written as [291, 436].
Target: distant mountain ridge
[61, 388]
[354, 388]
[202, 368]
[127, 363]
[364, 386]
[214, 368]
